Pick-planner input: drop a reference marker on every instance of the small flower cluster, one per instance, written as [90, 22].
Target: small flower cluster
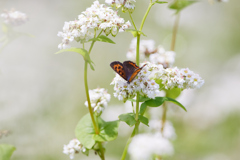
[142, 83]
[155, 126]
[73, 147]
[99, 99]
[180, 78]
[148, 51]
[145, 81]
[96, 17]
[166, 58]
[145, 146]
[146, 48]
[14, 18]
[126, 4]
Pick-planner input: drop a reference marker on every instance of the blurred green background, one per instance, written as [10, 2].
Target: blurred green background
[42, 94]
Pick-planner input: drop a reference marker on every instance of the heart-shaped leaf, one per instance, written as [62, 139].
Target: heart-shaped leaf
[86, 134]
[84, 131]
[108, 131]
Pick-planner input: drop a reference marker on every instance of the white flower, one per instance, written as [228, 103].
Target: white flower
[142, 83]
[146, 48]
[14, 18]
[99, 99]
[180, 78]
[166, 58]
[155, 126]
[145, 146]
[73, 147]
[148, 52]
[96, 17]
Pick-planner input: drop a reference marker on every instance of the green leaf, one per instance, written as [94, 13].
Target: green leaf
[158, 101]
[103, 38]
[173, 93]
[176, 102]
[178, 5]
[143, 119]
[143, 99]
[81, 51]
[129, 118]
[135, 32]
[6, 151]
[161, 2]
[143, 108]
[84, 131]
[108, 131]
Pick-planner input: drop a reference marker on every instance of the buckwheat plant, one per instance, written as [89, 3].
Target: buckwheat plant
[158, 75]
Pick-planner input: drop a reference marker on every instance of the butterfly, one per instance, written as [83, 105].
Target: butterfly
[128, 70]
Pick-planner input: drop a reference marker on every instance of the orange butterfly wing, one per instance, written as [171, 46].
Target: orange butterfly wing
[131, 70]
[128, 70]
[118, 67]
[135, 73]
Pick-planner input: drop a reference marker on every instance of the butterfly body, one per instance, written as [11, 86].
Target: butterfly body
[128, 70]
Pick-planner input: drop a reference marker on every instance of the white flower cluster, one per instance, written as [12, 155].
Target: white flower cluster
[146, 48]
[99, 99]
[142, 84]
[73, 147]
[96, 17]
[148, 51]
[145, 146]
[126, 4]
[166, 58]
[145, 81]
[155, 126]
[14, 18]
[180, 78]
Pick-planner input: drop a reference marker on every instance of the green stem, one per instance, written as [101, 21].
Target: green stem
[88, 99]
[174, 34]
[95, 123]
[137, 49]
[126, 148]
[90, 49]
[137, 112]
[135, 131]
[164, 116]
[101, 151]
[130, 15]
[128, 142]
[146, 14]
